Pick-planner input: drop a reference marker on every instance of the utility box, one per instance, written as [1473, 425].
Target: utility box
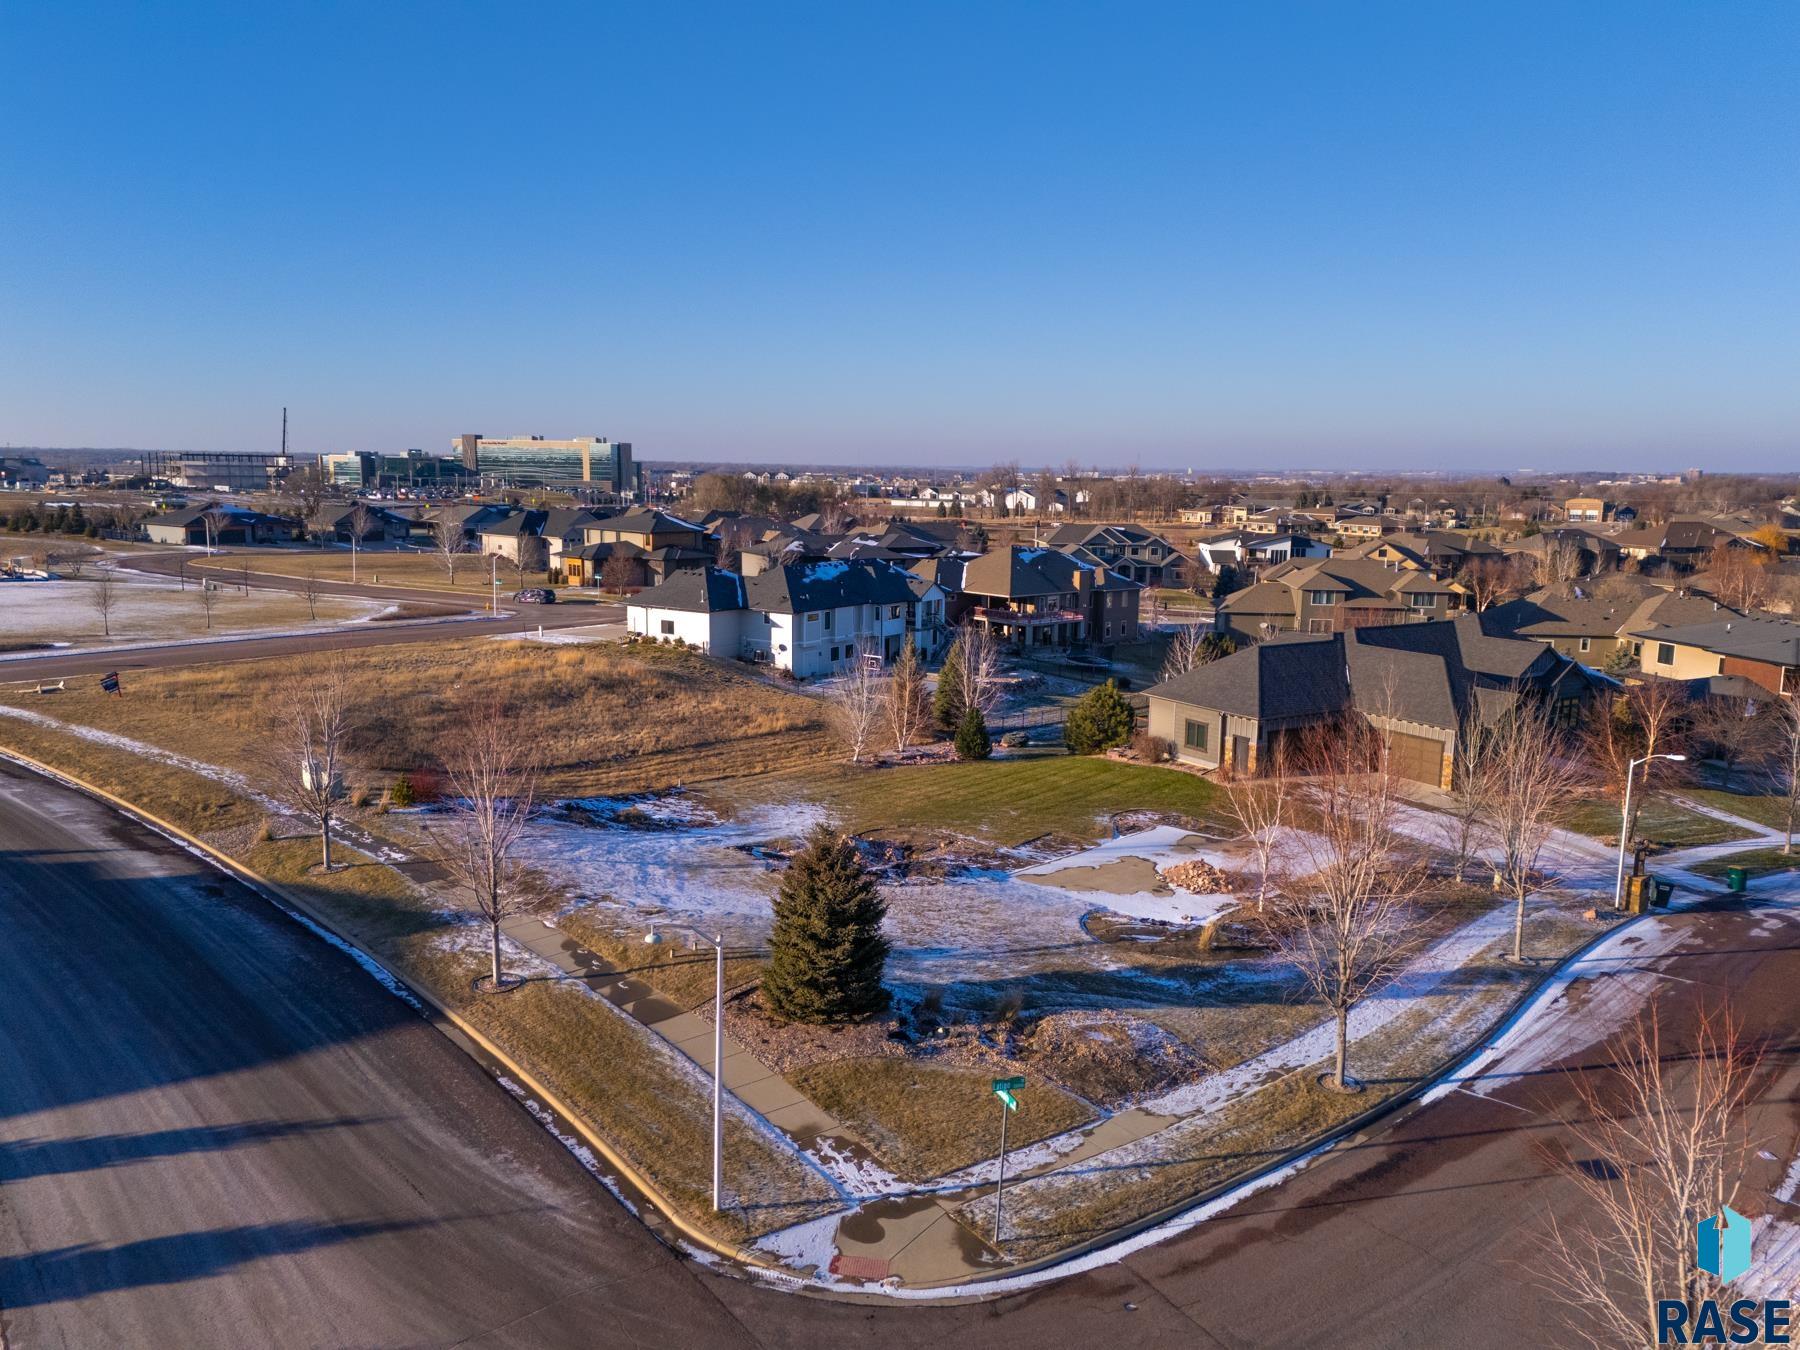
[1737, 879]
[1665, 892]
[1638, 894]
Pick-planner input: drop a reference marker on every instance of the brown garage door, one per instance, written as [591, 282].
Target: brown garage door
[1416, 757]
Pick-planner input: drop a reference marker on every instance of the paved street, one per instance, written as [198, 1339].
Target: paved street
[350, 636]
[217, 1131]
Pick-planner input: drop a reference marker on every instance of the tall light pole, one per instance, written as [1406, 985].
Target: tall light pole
[1625, 818]
[718, 1122]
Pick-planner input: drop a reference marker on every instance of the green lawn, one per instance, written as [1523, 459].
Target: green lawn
[1659, 821]
[1008, 801]
[1759, 861]
[1767, 811]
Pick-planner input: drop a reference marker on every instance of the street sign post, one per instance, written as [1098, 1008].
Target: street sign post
[1006, 1089]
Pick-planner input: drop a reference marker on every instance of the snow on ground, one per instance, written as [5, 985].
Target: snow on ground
[146, 609]
[692, 867]
[1425, 976]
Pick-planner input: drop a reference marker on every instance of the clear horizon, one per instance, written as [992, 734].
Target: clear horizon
[1395, 238]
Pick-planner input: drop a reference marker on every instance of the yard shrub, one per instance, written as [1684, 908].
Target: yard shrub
[947, 703]
[401, 793]
[826, 951]
[972, 736]
[1100, 721]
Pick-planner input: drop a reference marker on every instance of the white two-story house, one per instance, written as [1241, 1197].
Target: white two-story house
[812, 618]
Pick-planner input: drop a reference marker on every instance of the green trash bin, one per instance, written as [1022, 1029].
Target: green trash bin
[1665, 892]
[1736, 879]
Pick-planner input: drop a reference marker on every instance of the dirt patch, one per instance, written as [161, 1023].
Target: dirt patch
[1108, 1058]
[1123, 876]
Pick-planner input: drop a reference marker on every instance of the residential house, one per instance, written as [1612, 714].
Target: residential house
[220, 526]
[1325, 595]
[654, 545]
[1684, 543]
[1440, 551]
[336, 521]
[810, 618]
[1418, 683]
[1222, 550]
[1759, 648]
[1266, 550]
[1356, 527]
[1601, 632]
[1043, 597]
[1589, 509]
[1136, 553]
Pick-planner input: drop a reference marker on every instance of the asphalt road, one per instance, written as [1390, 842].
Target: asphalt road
[216, 1130]
[354, 636]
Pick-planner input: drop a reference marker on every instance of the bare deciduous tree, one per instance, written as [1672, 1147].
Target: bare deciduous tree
[1340, 910]
[311, 722]
[1471, 792]
[1559, 564]
[209, 599]
[907, 706]
[856, 702]
[213, 520]
[1490, 581]
[447, 538]
[491, 778]
[1733, 731]
[1785, 764]
[617, 573]
[1531, 783]
[104, 597]
[977, 658]
[1739, 576]
[1183, 652]
[310, 590]
[1672, 1130]
[361, 518]
[1644, 721]
[1259, 805]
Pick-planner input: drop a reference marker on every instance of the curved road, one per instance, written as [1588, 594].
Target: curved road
[215, 1130]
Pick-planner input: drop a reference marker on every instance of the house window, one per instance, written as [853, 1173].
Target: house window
[1193, 734]
[1587, 644]
[1721, 665]
[1322, 597]
[1566, 711]
[834, 653]
[668, 625]
[1318, 625]
[1665, 653]
[830, 614]
[1422, 601]
[814, 618]
[893, 611]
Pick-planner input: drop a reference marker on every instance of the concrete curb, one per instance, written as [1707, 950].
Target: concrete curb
[979, 1287]
[283, 899]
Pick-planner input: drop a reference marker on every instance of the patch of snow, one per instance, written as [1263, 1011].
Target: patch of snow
[812, 1243]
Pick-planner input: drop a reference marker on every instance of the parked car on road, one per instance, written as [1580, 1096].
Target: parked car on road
[535, 595]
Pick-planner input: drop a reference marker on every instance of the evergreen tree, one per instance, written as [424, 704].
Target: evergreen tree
[972, 736]
[826, 953]
[947, 703]
[1101, 720]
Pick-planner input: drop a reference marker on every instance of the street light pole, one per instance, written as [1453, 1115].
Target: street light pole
[718, 1074]
[1625, 819]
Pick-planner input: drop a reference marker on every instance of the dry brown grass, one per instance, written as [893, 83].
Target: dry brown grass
[924, 1121]
[608, 719]
[686, 976]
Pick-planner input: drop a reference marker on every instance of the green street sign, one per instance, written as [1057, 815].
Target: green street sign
[1007, 1099]
[1010, 1084]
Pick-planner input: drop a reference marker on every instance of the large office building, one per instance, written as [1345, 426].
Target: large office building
[367, 470]
[538, 461]
[218, 470]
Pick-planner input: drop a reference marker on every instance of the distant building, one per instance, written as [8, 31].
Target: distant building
[22, 471]
[218, 470]
[371, 471]
[535, 461]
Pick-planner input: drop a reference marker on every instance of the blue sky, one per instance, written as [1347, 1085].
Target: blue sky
[1344, 235]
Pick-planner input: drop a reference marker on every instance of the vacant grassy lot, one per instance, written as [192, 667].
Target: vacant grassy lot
[1660, 821]
[403, 567]
[1008, 801]
[923, 1121]
[607, 719]
[143, 611]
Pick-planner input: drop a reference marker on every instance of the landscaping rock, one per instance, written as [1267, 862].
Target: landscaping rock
[1200, 877]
